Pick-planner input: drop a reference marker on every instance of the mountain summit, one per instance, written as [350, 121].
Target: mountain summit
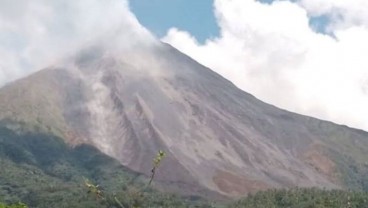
[218, 138]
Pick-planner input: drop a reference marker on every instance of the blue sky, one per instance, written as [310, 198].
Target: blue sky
[194, 16]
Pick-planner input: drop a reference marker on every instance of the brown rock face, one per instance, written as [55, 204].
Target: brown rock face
[218, 138]
[317, 159]
[237, 185]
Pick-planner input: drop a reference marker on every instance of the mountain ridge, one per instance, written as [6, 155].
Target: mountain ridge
[129, 105]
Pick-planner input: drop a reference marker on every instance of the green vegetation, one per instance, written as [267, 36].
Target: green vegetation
[156, 162]
[352, 173]
[43, 172]
[139, 197]
[304, 198]
[17, 205]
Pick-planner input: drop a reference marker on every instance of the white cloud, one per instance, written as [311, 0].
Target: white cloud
[272, 52]
[35, 34]
[343, 13]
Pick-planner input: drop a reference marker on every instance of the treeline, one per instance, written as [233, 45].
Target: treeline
[293, 198]
[43, 172]
[304, 198]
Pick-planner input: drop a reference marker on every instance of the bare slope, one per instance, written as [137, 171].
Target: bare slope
[129, 105]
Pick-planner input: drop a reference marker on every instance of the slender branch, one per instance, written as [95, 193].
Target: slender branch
[118, 202]
[153, 171]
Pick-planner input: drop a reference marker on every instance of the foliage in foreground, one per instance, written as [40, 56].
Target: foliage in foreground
[294, 198]
[17, 205]
[144, 196]
[43, 172]
[304, 198]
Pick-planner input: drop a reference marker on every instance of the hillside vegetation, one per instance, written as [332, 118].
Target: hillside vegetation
[304, 198]
[43, 172]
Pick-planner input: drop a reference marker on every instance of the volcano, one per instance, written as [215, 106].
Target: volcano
[218, 138]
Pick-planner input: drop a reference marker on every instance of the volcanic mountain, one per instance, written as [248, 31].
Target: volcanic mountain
[217, 137]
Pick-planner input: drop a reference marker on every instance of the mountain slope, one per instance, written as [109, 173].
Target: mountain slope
[42, 171]
[130, 105]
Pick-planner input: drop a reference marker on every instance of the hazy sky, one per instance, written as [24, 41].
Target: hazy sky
[307, 56]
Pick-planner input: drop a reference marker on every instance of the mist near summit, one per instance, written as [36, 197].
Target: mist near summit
[270, 50]
[36, 34]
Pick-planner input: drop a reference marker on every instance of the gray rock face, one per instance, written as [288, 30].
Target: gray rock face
[218, 138]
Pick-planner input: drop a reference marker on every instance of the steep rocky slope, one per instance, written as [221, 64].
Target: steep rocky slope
[218, 138]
